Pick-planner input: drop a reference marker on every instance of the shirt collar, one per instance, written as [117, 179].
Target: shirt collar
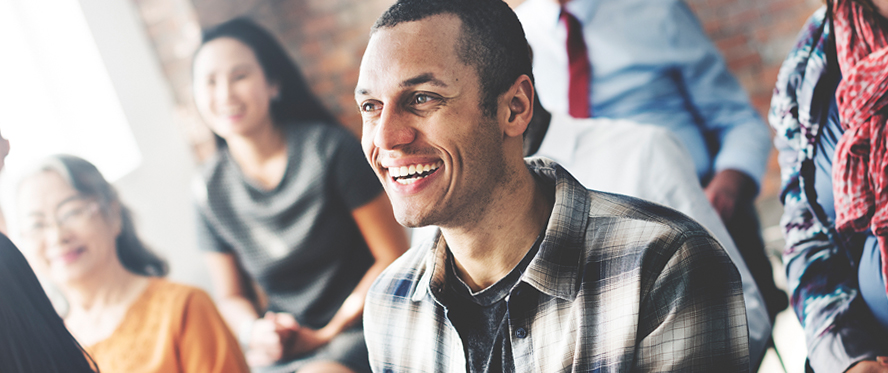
[556, 268]
[435, 254]
[584, 10]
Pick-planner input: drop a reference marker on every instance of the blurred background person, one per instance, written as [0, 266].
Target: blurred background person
[653, 165]
[829, 112]
[33, 337]
[288, 201]
[650, 62]
[77, 233]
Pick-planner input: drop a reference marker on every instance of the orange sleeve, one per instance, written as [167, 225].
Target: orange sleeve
[207, 345]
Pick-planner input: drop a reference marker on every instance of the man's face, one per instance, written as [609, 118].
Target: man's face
[437, 155]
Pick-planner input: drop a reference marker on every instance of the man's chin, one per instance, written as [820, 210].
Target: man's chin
[411, 219]
[410, 222]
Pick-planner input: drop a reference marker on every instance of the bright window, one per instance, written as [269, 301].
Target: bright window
[55, 94]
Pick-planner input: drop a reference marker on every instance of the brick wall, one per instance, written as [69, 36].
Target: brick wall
[754, 36]
[328, 37]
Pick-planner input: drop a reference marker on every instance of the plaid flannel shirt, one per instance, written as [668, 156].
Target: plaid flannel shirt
[618, 285]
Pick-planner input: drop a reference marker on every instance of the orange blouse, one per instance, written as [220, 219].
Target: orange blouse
[170, 328]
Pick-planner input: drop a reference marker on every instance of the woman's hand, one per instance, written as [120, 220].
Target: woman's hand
[278, 336]
[268, 340]
[302, 340]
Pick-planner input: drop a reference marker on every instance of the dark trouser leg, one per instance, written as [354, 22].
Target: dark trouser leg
[744, 229]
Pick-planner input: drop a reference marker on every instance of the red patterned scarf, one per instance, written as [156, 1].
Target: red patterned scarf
[860, 176]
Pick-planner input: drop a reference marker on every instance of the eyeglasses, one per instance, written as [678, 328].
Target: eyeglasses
[71, 214]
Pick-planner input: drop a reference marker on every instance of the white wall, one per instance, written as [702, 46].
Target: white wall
[158, 191]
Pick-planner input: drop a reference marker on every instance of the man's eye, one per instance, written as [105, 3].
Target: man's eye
[421, 99]
[368, 107]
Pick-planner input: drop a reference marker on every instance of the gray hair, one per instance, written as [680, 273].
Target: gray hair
[84, 177]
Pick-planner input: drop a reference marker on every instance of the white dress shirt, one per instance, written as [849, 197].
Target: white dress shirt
[651, 63]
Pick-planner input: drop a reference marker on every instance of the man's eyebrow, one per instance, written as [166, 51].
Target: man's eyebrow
[414, 81]
[422, 79]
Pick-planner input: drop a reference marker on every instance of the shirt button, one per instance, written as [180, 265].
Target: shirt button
[521, 333]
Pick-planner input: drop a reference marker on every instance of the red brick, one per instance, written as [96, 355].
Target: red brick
[740, 63]
[712, 27]
[733, 41]
[778, 6]
[315, 26]
[741, 20]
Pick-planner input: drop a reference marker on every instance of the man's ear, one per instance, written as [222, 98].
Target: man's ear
[519, 107]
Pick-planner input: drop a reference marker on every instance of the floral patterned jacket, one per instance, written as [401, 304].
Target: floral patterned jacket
[821, 269]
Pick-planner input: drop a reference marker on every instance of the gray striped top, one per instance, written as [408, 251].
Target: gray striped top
[298, 240]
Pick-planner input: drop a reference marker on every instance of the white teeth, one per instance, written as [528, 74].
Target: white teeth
[409, 174]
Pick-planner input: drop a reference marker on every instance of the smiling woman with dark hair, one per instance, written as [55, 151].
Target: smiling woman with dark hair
[288, 203]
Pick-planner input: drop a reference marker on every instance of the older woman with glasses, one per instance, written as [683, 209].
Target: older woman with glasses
[77, 233]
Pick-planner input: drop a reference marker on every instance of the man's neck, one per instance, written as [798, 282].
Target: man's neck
[489, 249]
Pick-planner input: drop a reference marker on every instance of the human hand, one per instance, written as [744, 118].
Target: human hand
[267, 341]
[869, 366]
[726, 189]
[303, 339]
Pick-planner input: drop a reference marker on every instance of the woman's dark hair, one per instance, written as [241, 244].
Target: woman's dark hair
[33, 337]
[295, 102]
[88, 181]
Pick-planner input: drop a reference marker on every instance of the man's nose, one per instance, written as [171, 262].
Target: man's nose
[394, 129]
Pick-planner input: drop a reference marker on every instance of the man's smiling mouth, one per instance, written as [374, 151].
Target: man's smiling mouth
[406, 175]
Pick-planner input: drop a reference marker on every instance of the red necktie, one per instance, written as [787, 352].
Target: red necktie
[579, 67]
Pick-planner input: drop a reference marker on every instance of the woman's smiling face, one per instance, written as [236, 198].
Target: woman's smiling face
[231, 90]
[67, 235]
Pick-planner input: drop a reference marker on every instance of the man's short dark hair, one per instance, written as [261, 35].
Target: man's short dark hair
[492, 40]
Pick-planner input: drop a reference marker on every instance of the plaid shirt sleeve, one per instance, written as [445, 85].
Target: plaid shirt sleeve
[618, 285]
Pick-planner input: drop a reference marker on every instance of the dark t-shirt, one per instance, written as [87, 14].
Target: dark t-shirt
[298, 240]
[482, 318]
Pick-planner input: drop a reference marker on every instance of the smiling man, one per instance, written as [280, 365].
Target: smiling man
[530, 271]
